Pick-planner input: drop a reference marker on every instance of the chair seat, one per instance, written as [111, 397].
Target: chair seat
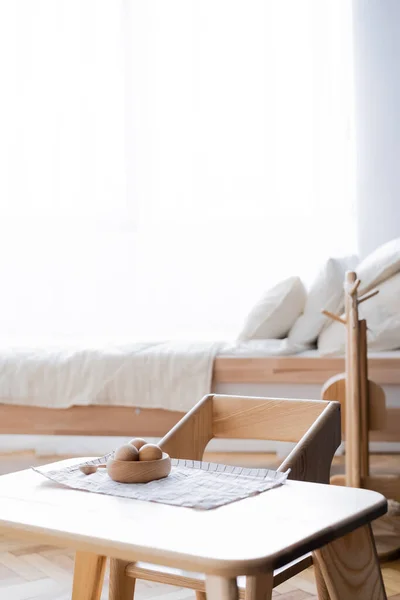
[196, 581]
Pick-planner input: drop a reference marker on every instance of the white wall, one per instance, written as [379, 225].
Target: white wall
[377, 119]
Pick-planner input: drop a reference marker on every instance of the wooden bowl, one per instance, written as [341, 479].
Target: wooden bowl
[139, 471]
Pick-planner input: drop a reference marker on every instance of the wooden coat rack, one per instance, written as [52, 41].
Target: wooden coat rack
[363, 410]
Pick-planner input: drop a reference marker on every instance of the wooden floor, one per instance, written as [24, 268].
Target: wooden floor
[32, 572]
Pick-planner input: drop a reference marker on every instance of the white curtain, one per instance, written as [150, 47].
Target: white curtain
[163, 162]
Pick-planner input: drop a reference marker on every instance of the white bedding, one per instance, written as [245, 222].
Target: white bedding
[168, 375]
[255, 348]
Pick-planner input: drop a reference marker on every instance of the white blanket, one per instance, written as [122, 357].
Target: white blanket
[168, 375]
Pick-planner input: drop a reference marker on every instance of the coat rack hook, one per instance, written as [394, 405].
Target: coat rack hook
[327, 313]
[368, 296]
[355, 287]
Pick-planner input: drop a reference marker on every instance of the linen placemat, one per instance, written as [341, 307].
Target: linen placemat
[195, 484]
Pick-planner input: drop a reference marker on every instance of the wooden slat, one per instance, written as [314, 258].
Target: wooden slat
[123, 421]
[255, 418]
[275, 370]
[298, 370]
[87, 420]
[196, 581]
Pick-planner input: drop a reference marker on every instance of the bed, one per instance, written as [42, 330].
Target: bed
[236, 369]
[103, 390]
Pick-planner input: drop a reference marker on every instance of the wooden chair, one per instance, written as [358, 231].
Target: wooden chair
[313, 424]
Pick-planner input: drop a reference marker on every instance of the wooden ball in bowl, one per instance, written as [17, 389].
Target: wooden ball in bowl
[138, 442]
[139, 471]
[150, 452]
[126, 452]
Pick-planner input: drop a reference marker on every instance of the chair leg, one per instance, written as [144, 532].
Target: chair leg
[259, 587]
[201, 596]
[121, 586]
[350, 567]
[88, 576]
[221, 588]
[322, 591]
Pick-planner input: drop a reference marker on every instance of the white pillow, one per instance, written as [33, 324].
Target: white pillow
[382, 313]
[378, 266]
[326, 292]
[276, 312]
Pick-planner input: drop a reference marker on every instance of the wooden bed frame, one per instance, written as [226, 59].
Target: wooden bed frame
[126, 421]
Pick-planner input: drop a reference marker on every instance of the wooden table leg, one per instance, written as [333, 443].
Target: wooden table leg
[220, 588]
[121, 586]
[259, 587]
[350, 567]
[88, 576]
[322, 591]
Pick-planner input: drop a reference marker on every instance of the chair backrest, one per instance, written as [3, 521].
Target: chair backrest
[314, 424]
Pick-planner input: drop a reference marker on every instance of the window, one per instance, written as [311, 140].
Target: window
[163, 163]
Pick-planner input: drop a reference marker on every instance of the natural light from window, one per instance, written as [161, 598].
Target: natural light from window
[164, 163]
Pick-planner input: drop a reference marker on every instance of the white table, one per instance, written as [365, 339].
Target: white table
[251, 537]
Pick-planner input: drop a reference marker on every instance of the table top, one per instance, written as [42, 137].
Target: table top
[242, 538]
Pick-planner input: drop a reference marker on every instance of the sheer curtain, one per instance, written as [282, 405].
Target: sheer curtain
[164, 162]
